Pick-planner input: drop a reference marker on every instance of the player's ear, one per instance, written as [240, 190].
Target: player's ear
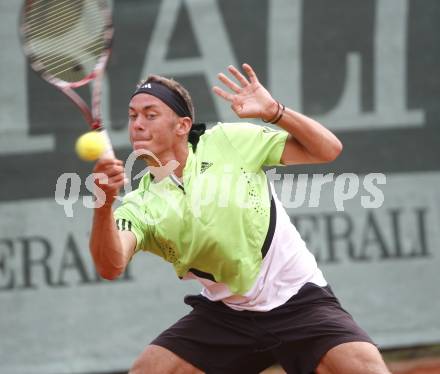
[183, 125]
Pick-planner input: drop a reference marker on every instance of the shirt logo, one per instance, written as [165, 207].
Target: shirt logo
[205, 165]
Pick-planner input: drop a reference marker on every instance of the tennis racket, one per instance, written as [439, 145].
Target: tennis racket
[68, 43]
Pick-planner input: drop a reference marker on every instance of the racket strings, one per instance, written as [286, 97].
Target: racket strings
[60, 69]
[91, 50]
[42, 17]
[66, 38]
[60, 22]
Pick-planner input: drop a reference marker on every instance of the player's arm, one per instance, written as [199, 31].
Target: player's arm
[111, 249]
[308, 141]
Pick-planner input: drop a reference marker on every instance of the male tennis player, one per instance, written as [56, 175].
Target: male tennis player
[264, 300]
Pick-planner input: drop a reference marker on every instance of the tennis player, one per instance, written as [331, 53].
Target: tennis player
[217, 220]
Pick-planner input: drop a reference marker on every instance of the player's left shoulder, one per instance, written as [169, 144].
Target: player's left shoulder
[236, 126]
[234, 129]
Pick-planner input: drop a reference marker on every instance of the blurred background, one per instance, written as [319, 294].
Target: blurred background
[368, 70]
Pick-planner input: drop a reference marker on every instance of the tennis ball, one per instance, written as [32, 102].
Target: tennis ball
[90, 146]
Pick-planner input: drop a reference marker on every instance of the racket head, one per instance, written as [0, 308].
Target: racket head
[67, 42]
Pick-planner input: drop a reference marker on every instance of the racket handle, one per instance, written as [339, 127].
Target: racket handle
[108, 153]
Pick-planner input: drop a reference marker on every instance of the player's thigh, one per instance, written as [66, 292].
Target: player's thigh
[352, 357]
[156, 359]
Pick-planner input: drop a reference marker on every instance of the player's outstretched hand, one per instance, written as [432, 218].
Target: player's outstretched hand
[249, 99]
[113, 170]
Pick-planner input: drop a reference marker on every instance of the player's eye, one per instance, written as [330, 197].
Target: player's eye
[151, 116]
[132, 117]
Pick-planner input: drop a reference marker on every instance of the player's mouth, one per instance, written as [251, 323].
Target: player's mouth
[142, 144]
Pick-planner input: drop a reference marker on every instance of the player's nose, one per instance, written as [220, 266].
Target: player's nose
[139, 124]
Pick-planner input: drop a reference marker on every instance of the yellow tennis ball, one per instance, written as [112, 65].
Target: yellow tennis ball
[90, 146]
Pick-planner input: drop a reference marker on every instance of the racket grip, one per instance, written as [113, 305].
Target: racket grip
[108, 153]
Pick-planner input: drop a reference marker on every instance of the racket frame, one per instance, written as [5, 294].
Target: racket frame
[92, 114]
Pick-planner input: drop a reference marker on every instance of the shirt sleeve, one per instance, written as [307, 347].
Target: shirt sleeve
[257, 145]
[129, 218]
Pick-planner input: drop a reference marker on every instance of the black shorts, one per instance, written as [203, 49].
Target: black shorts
[218, 339]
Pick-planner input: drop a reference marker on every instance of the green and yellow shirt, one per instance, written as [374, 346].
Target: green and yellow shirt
[216, 224]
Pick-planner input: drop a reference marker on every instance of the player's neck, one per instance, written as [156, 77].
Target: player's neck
[178, 153]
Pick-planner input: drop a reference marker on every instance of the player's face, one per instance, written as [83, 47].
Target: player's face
[151, 124]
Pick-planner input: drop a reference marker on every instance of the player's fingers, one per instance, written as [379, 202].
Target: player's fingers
[112, 185]
[116, 181]
[227, 82]
[250, 73]
[103, 176]
[225, 95]
[108, 167]
[240, 77]
[108, 161]
[114, 170]
[103, 164]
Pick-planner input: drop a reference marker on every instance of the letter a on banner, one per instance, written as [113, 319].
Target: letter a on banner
[213, 42]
